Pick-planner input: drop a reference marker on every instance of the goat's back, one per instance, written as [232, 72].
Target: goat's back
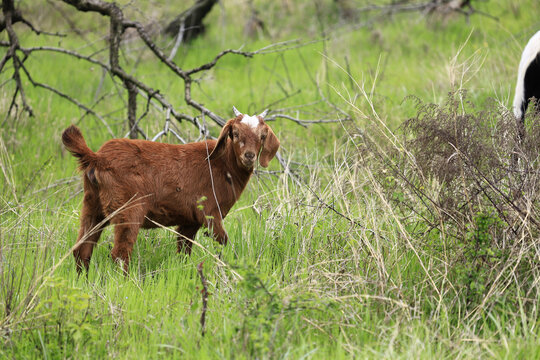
[174, 179]
[155, 162]
[128, 153]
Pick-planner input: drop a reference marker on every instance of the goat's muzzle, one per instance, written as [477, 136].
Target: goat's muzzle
[248, 160]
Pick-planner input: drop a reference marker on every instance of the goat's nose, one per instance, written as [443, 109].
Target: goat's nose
[250, 155]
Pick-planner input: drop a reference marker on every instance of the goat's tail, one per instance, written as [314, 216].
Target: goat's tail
[74, 141]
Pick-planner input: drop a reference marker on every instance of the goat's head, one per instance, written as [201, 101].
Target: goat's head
[250, 137]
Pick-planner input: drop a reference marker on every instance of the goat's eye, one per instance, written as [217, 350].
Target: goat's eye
[263, 137]
[235, 135]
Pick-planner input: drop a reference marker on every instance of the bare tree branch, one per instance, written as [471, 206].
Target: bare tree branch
[118, 25]
[304, 123]
[151, 93]
[10, 14]
[67, 97]
[16, 16]
[212, 63]
[132, 109]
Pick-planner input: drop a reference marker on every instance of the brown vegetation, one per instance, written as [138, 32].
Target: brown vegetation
[468, 188]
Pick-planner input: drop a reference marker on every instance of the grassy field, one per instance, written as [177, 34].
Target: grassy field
[361, 254]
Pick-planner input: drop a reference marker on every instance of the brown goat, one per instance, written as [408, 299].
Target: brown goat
[165, 184]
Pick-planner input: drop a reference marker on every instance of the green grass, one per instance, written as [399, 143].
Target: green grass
[298, 279]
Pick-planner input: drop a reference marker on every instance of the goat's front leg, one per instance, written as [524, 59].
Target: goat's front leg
[186, 233]
[216, 227]
[126, 229]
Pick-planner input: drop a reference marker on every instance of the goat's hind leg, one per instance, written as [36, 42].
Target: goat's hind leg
[91, 227]
[126, 229]
[186, 233]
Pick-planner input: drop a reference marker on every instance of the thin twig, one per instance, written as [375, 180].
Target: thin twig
[178, 42]
[69, 98]
[204, 293]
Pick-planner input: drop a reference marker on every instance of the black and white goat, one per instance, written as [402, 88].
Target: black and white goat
[528, 80]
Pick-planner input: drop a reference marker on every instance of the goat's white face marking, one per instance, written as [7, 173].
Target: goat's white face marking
[252, 121]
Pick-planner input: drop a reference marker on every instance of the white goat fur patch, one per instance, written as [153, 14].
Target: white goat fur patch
[529, 54]
[252, 121]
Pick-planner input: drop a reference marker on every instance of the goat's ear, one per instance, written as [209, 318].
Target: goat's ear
[269, 149]
[221, 141]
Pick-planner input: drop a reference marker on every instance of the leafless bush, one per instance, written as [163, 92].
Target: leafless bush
[467, 190]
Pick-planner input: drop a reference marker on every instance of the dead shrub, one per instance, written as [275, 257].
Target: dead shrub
[468, 189]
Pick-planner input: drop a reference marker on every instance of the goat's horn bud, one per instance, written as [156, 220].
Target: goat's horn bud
[264, 113]
[236, 112]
